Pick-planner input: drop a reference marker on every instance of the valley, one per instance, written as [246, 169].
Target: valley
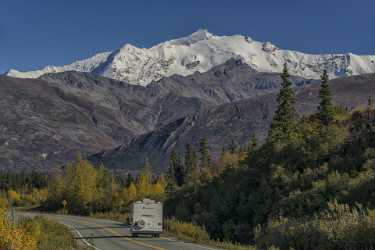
[120, 128]
[65, 114]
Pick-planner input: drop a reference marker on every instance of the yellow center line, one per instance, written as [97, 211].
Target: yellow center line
[83, 238]
[118, 234]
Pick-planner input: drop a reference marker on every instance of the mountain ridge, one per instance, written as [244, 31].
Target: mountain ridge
[201, 51]
[233, 122]
[67, 113]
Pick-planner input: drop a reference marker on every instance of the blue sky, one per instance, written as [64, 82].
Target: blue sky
[35, 33]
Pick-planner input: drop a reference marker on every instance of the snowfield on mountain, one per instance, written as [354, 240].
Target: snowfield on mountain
[201, 51]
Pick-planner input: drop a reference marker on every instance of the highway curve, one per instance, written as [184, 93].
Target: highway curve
[111, 235]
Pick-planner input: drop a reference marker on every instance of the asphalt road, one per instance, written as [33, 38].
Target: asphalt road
[111, 235]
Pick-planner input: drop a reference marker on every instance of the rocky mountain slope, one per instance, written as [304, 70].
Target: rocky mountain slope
[46, 122]
[43, 126]
[201, 51]
[236, 121]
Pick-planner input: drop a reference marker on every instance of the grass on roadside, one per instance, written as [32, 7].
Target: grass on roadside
[197, 234]
[50, 235]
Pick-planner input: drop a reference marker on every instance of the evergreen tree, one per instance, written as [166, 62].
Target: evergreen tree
[170, 173]
[190, 161]
[172, 166]
[233, 146]
[325, 109]
[284, 120]
[370, 103]
[253, 144]
[129, 179]
[222, 151]
[205, 160]
[176, 172]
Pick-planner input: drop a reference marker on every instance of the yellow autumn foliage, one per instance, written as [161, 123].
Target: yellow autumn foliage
[12, 237]
[13, 196]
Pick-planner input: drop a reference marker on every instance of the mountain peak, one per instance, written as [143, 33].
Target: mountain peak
[128, 47]
[201, 34]
[11, 72]
[197, 36]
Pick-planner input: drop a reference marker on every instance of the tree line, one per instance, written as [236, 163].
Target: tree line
[82, 188]
[309, 186]
[194, 167]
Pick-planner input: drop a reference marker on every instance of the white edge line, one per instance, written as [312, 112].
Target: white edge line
[82, 238]
[204, 247]
[165, 238]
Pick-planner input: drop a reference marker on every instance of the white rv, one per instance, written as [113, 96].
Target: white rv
[146, 217]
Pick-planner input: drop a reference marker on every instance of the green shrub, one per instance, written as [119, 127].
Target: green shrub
[338, 227]
[186, 231]
[195, 233]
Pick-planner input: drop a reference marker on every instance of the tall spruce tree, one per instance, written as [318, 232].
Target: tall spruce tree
[325, 109]
[170, 174]
[233, 146]
[370, 103]
[190, 160]
[253, 144]
[205, 160]
[284, 120]
[176, 172]
[129, 179]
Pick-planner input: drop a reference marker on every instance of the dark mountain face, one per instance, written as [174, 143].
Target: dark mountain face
[43, 125]
[48, 121]
[236, 121]
[230, 82]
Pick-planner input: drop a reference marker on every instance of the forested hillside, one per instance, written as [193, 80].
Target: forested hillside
[232, 122]
[309, 185]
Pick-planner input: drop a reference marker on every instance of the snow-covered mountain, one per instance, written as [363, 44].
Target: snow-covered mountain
[201, 51]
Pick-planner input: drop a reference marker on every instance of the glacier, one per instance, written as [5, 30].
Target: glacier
[201, 51]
